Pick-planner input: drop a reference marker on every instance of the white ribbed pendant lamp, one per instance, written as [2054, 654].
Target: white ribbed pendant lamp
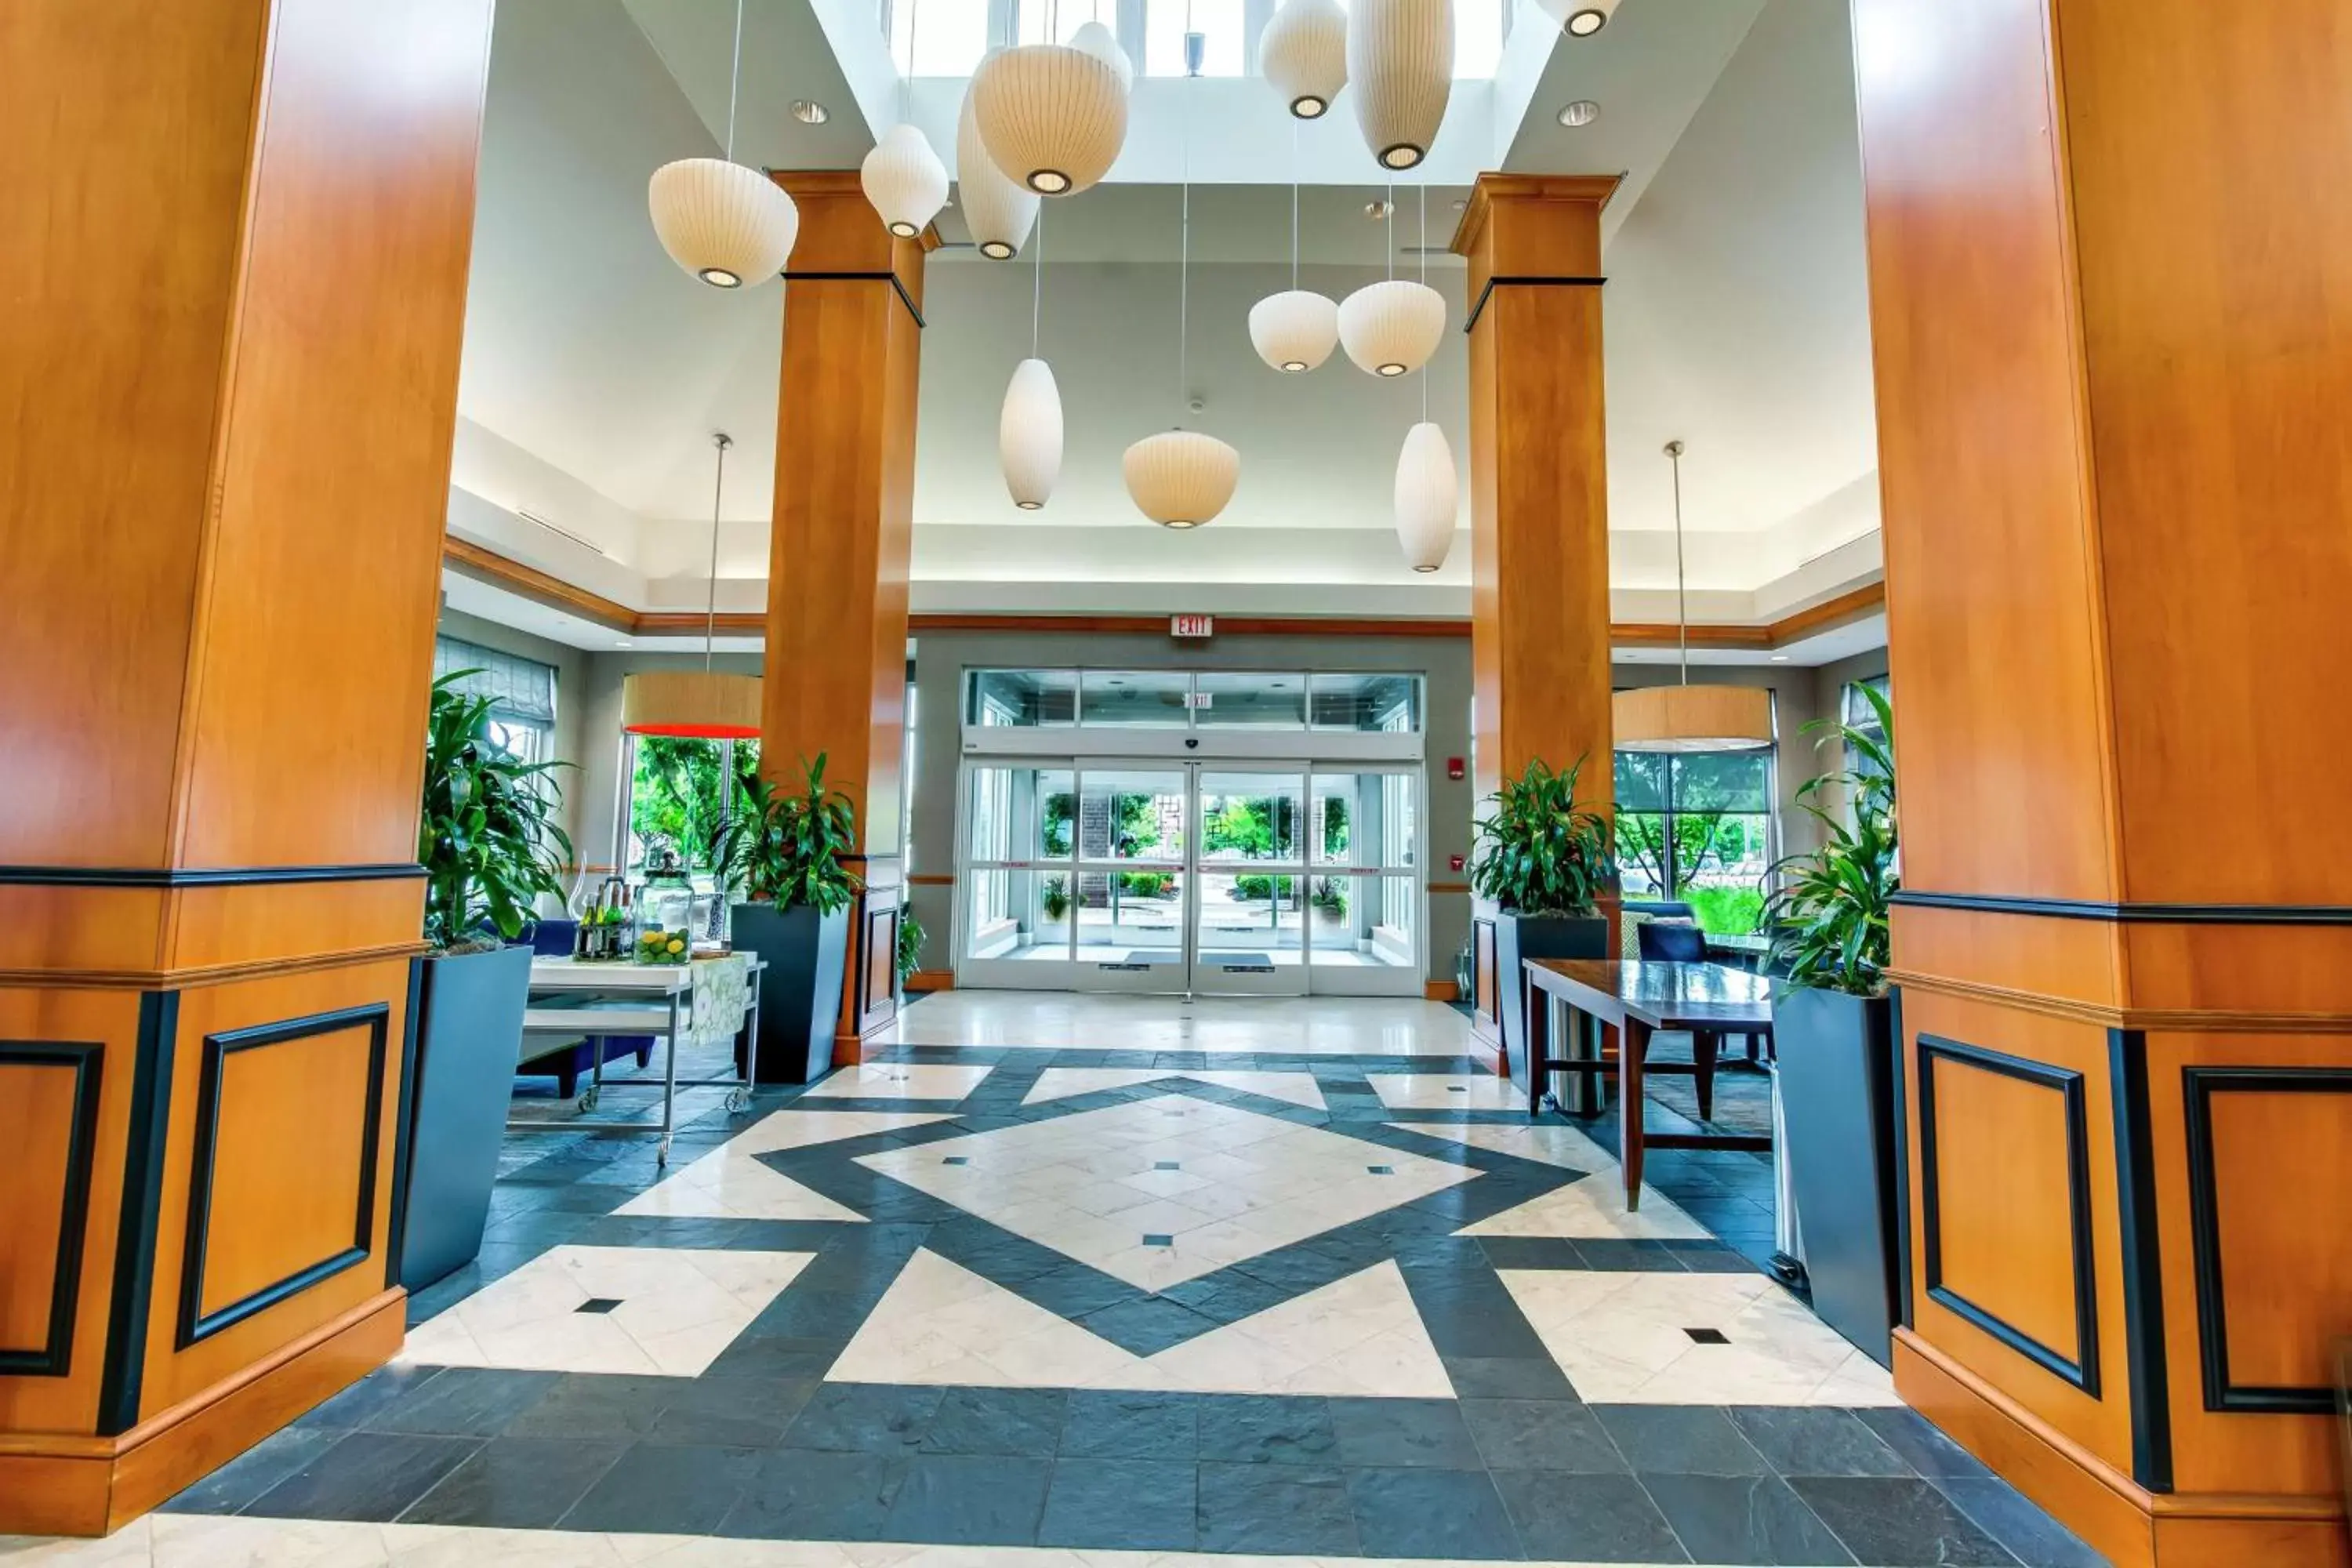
[1053, 116]
[902, 177]
[1401, 63]
[723, 223]
[1295, 330]
[1304, 53]
[1392, 328]
[999, 213]
[1683, 717]
[696, 704]
[1029, 427]
[1580, 18]
[1428, 490]
[1099, 41]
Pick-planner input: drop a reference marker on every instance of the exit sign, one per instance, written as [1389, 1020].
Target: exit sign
[1191, 625]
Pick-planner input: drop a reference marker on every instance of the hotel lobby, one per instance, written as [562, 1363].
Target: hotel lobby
[1118, 784]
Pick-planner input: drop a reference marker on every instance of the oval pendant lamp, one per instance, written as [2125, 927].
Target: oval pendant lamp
[1401, 63]
[1029, 426]
[1099, 41]
[722, 222]
[902, 177]
[1427, 493]
[999, 213]
[1392, 326]
[702, 704]
[1052, 117]
[1580, 18]
[1683, 717]
[1304, 53]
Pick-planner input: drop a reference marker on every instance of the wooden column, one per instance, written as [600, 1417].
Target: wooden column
[836, 680]
[2111, 296]
[236, 277]
[1538, 500]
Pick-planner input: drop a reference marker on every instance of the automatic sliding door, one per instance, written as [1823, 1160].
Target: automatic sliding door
[1128, 899]
[1013, 886]
[1250, 926]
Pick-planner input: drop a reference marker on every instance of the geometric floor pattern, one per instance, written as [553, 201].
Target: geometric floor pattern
[858, 1327]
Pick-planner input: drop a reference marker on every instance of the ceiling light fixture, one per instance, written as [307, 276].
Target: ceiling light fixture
[1295, 330]
[1053, 116]
[1400, 60]
[1578, 114]
[1029, 424]
[902, 177]
[1378, 211]
[1392, 326]
[999, 212]
[1304, 53]
[697, 704]
[1427, 493]
[1580, 18]
[809, 112]
[722, 222]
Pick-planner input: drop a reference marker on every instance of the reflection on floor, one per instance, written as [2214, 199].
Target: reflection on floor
[1041, 1304]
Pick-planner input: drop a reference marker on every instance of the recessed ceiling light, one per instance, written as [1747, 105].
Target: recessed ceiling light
[1582, 111]
[1379, 210]
[809, 112]
[1779, 659]
[1462, 204]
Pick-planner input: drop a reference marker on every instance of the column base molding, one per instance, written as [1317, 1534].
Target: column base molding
[66, 1484]
[2131, 1526]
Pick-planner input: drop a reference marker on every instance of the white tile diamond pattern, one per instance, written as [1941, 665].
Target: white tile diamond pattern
[1062, 1083]
[899, 1081]
[1446, 1091]
[730, 1183]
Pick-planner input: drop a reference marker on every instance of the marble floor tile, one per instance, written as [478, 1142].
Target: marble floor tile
[1594, 1206]
[1286, 1026]
[899, 1081]
[1548, 1142]
[666, 1311]
[1061, 1083]
[1446, 1091]
[732, 1183]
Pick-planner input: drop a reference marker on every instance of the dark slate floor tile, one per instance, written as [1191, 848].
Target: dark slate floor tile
[1743, 1518]
[1226, 1296]
[774, 1358]
[1530, 1252]
[2017, 1522]
[584, 1406]
[1106, 1425]
[1508, 1377]
[1122, 1504]
[1299, 1509]
[515, 1483]
[1147, 1324]
[1430, 1513]
[1025, 1421]
[1541, 1435]
[1922, 1448]
[1680, 1439]
[970, 1500]
[665, 1489]
[865, 1418]
[1266, 1429]
[378, 1391]
[1074, 1291]
[1799, 1441]
[255, 1472]
[1586, 1519]
[1899, 1524]
[1388, 1433]
[732, 1411]
[369, 1476]
[465, 1401]
[800, 1494]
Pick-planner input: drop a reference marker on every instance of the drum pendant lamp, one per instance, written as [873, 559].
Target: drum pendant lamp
[1400, 64]
[999, 213]
[902, 177]
[696, 704]
[722, 222]
[1304, 53]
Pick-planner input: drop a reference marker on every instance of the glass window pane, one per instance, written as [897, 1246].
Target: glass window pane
[1723, 781]
[1477, 39]
[1250, 920]
[1032, 16]
[1365, 702]
[674, 799]
[1220, 21]
[1130, 917]
[1642, 855]
[1018, 914]
[1138, 696]
[1368, 820]
[1363, 921]
[1021, 698]
[950, 40]
[1642, 781]
[1254, 702]
[1131, 815]
[1250, 816]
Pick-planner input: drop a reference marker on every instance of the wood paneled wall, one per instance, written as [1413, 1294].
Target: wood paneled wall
[2111, 290]
[237, 270]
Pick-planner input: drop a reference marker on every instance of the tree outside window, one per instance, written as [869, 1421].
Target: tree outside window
[1697, 828]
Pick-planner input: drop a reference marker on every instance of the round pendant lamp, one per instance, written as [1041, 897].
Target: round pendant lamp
[1685, 717]
[722, 222]
[1427, 491]
[1099, 41]
[702, 704]
[1580, 18]
[1052, 117]
[1401, 63]
[1181, 478]
[1392, 326]
[905, 180]
[999, 213]
[1294, 331]
[1304, 53]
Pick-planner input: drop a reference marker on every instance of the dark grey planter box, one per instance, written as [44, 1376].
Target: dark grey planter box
[469, 1013]
[1519, 938]
[800, 995]
[1838, 1074]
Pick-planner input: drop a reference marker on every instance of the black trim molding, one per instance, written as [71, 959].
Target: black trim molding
[395, 1230]
[2082, 1370]
[199, 876]
[2198, 1088]
[2131, 914]
[144, 1140]
[85, 1060]
[196, 1324]
[892, 278]
[1901, 1084]
[1510, 280]
[2143, 1270]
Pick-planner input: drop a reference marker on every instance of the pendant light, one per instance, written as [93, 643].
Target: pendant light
[1428, 490]
[1580, 18]
[1099, 41]
[1053, 116]
[1029, 427]
[999, 213]
[723, 223]
[1683, 717]
[696, 704]
[1295, 330]
[1304, 53]
[1400, 62]
[1183, 479]
[1391, 326]
[902, 177]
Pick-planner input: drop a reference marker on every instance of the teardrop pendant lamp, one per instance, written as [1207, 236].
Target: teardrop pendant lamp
[1029, 426]
[902, 177]
[1683, 717]
[703, 704]
[1099, 41]
[999, 213]
[1428, 490]
[1304, 53]
[1295, 330]
[1401, 63]
[722, 222]
[1052, 116]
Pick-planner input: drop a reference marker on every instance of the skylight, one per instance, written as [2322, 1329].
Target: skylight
[955, 34]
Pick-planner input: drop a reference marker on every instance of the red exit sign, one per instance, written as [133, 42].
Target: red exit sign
[1191, 625]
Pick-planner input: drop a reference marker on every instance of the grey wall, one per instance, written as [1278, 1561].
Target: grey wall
[571, 683]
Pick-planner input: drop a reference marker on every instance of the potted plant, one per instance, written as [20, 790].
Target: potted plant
[1834, 1034]
[784, 852]
[910, 948]
[1544, 862]
[491, 848]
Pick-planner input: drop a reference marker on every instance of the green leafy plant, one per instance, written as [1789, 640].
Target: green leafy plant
[910, 946]
[1330, 896]
[1056, 897]
[1828, 914]
[1540, 852]
[787, 849]
[486, 835]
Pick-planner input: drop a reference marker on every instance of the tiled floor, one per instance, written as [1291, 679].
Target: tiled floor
[1089, 1298]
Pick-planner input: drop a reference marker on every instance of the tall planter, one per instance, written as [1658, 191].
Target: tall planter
[800, 994]
[468, 1034]
[1837, 1069]
[1519, 938]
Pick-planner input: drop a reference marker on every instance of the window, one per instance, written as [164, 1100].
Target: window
[680, 791]
[1204, 699]
[1219, 23]
[1856, 713]
[1697, 826]
[947, 39]
[521, 693]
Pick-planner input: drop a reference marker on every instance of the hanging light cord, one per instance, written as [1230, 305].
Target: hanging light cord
[1037, 296]
[907, 88]
[710, 610]
[734, 81]
[1185, 240]
[1681, 602]
[1424, 283]
[1294, 204]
